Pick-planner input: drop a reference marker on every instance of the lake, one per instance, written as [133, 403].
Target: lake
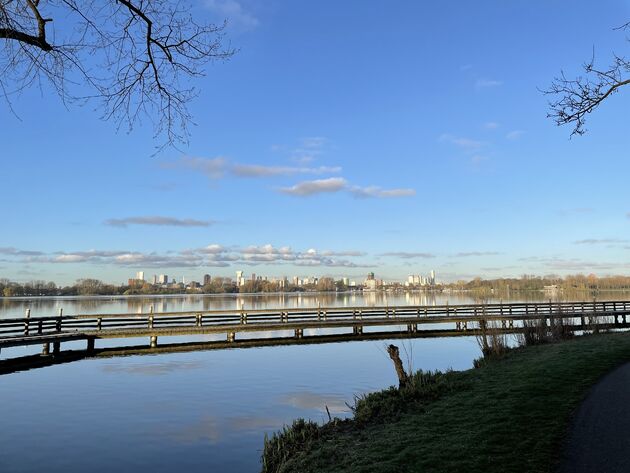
[200, 411]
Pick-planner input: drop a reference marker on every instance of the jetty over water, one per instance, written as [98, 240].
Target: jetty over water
[154, 332]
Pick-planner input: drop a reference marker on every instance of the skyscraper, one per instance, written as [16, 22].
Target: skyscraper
[140, 275]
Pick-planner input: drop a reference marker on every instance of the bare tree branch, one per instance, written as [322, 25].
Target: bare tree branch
[137, 57]
[578, 97]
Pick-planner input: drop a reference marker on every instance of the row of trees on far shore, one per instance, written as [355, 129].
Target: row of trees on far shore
[218, 285]
[576, 282]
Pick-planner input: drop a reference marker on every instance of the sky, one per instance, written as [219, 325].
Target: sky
[396, 137]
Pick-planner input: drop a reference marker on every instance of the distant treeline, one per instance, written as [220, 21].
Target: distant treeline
[578, 282]
[218, 285]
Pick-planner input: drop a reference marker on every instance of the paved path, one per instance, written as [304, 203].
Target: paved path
[599, 437]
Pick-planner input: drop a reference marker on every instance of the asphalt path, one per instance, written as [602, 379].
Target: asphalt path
[598, 440]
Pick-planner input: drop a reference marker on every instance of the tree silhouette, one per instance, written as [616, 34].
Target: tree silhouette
[576, 98]
[137, 58]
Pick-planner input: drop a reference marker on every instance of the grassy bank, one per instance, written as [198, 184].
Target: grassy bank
[507, 415]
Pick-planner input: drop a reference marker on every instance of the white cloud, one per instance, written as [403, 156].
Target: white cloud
[408, 254]
[266, 250]
[255, 170]
[485, 83]
[303, 159]
[213, 249]
[343, 253]
[331, 263]
[14, 251]
[153, 260]
[599, 241]
[466, 254]
[236, 15]
[318, 186]
[214, 168]
[377, 192]
[158, 221]
[217, 168]
[464, 143]
[71, 258]
[491, 125]
[575, 264]
[213, 255]
[515, 134]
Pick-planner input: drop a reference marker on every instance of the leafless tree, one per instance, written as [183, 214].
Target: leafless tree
[576, 98]
[137, 58]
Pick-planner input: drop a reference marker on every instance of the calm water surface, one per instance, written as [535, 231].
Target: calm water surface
[198, 411]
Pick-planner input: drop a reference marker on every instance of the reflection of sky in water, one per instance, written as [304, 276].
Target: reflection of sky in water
[197, 411]
[91, 305]
[315, 401]
[194, 412]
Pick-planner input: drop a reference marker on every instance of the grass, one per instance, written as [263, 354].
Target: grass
[506, 415]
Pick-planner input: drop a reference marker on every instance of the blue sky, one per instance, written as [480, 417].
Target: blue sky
[344, 137]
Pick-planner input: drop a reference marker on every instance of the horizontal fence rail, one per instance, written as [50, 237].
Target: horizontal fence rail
[290, 323]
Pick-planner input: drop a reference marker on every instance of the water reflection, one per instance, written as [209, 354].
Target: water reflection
[203, 411]
[151, 368]
[194, 412]
[11, 307]
[206, 430]
[316, 401]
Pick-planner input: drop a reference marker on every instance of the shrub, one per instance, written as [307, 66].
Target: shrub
[283, 444]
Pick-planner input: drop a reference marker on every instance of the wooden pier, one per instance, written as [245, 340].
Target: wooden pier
[243, 328]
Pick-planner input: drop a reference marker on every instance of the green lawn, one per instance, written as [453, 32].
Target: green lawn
[508, 415]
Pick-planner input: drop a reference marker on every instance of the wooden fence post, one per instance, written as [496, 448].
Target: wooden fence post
[27, 316]
[59, 319]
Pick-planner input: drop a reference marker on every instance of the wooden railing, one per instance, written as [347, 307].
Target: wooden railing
[22, 329]
[288, 326]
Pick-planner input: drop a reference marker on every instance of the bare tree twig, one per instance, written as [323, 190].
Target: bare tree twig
[138, 58]
[576, 98]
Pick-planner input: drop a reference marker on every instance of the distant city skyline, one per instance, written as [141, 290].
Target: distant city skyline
[429, 150]
[114, 266]
[240, 279]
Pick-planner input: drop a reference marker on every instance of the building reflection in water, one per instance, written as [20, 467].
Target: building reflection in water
[49, 306]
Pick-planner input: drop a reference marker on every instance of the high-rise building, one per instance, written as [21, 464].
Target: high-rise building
[140, 275]
[163, 279]
[207, 279]
[155, 279]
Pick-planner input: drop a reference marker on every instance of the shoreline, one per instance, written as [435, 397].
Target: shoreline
[509, 414]
[235, 295]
